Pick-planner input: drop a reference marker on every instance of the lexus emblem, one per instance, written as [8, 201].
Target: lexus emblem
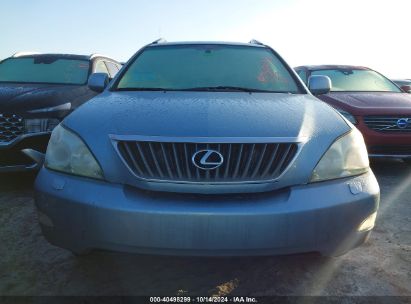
[402, 123]
[207, 159]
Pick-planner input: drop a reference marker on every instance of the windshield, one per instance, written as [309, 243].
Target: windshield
[357, 80]
[207, 67]
[44, 69]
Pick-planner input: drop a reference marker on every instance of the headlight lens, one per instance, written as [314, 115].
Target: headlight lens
[346, 157]
[67, 153]
[348, 116]
[39, 125]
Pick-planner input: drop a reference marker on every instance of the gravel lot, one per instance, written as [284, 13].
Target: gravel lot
[31, 266]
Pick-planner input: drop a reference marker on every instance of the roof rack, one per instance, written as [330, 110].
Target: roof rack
[18, 54]
[254, 41]
[159, 40]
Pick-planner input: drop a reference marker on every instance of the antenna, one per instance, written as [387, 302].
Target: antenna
[160, 40]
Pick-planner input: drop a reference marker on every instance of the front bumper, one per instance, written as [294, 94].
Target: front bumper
[82, 214]
[12, 159]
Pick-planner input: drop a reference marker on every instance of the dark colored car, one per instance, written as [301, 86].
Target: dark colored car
[36, 92]
[373, 103]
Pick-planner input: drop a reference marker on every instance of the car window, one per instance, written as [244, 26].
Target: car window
[101, 67]
[112, 68]
[208, 66]
[357, 80]
[402, 82]
[44, 69]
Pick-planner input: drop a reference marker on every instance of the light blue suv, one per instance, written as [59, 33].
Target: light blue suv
[208, 149]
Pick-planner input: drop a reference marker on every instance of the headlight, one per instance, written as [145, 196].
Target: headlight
[39, 125]
[68, 153]
[346, 157]
[348, 116]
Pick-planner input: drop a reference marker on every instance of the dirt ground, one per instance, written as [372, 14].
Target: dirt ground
[31, 266]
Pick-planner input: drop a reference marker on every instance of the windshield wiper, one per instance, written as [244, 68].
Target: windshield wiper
[204, 89]
[230, 88]
[145, 89]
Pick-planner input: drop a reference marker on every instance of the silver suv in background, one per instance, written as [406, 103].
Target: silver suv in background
[207, 148]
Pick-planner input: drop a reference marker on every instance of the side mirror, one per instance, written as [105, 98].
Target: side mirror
[319, 84]
[98, 82]
[406, 88]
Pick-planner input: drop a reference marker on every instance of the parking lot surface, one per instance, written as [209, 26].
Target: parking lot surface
[31, 266]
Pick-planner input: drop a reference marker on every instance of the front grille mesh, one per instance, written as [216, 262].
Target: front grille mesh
[390, 150]
[387, 123]
[11, 126]
[173, 161]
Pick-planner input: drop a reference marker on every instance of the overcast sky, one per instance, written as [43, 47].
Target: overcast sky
[358, 32]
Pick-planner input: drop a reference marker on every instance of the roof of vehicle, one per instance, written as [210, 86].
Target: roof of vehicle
[331, 67]
[67, 56]
[252, 43]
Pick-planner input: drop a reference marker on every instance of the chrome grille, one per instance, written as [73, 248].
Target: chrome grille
[11, 126]
[387, 123]
[168, 161]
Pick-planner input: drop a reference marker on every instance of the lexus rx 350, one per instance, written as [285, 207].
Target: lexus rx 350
[206, 148]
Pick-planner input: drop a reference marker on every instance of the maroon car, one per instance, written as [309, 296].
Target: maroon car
[373, 103]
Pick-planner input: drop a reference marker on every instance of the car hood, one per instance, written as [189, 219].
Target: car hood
[20, 98]
[370, 103]
[207, 114]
